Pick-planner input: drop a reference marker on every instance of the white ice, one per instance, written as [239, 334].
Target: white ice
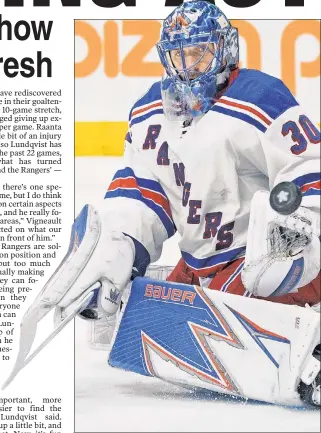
[111, 400]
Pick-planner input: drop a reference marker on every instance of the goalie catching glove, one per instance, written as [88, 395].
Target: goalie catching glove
[282, 251]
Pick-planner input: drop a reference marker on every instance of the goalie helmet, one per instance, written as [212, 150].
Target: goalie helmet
[198, 48]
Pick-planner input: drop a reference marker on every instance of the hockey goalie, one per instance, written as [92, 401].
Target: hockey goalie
[229, 159]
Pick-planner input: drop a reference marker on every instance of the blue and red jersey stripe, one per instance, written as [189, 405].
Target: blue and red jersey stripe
[309, 184]
[209, 265]
[126, 184]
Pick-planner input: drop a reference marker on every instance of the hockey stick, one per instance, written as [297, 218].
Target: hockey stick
[36, 313]
[28, 330]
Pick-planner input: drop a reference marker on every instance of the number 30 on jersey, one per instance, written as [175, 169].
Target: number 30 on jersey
[301, 132]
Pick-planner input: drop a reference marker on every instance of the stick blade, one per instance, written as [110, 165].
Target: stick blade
[28, 329]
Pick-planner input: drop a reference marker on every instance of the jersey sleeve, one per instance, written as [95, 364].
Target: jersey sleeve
[292, 150]
[137, 205]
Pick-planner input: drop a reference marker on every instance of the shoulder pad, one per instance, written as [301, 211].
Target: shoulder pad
[256, 98]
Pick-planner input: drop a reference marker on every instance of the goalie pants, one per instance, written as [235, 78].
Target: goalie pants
[229, 280]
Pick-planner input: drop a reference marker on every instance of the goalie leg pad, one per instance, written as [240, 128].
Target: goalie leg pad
[310, 385]
[204, 338]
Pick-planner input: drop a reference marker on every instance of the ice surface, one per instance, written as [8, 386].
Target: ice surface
[111, 400]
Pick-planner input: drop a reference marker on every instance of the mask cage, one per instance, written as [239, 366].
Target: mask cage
[215, 65]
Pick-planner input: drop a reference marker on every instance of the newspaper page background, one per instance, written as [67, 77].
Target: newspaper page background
[51, 374]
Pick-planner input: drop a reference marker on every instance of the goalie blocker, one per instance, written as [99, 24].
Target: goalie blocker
[201, 338]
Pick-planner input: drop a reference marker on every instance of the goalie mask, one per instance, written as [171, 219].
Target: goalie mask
[198, 49]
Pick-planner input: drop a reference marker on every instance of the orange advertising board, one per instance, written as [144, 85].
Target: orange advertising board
[118, 59]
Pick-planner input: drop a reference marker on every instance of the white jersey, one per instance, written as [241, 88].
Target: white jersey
[199, 179]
